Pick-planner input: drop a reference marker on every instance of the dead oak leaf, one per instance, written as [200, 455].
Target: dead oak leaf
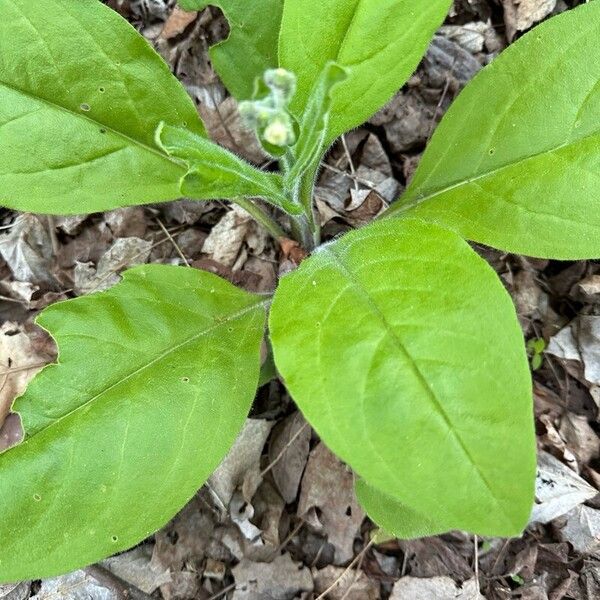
[327, 498]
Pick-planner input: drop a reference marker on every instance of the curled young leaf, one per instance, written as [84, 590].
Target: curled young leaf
[314, 126]
[81, 94]
[380, 42]
[214, 172]
[154, 380]
[402, 349]
[515, 163]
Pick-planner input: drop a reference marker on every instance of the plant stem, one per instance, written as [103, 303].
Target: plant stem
[260, 216]
[307, 186]
[304, 232]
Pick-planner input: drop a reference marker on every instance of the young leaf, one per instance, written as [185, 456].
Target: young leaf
[81, 94]
[515, 163]
[154, 381]
[379, 41]
[251, 47]
[310, 147]
[214, 172]
[403, 350]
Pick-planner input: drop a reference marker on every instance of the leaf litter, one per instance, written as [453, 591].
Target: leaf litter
[279, 519]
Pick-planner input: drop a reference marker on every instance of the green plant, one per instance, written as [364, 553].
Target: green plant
[398, 343]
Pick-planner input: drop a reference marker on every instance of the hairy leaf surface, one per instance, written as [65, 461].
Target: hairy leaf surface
[403, 350]
[310, 147]
[515, 163]
[214, 172]
[380, 41]
[81, 94]
[251, 47]
[154, 381]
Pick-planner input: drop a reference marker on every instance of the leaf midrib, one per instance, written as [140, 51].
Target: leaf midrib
[131, 141]
[414, 199]
[137, 371]
[357, 284]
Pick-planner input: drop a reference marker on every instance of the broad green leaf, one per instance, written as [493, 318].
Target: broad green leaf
[154, 381]
[403, 350]
[310, 147]
[380, 41]
[214, 172]
[515, 163]
[251, 47]
[81, 95]
[392, 516]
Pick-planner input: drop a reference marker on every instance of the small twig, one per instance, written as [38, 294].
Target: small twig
[499, 557]
[110, 581]
[52, 234]
[354, 178]
[24, 368]
[356, 575]
[288, 539]
[357, 558]
[476, 565]
[442, 98]
[172, 240]
[350, 163]
[283, 450]
[404, 563]
[13, 300]
[222, 592]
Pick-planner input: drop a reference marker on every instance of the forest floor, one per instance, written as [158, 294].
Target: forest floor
[289, 525]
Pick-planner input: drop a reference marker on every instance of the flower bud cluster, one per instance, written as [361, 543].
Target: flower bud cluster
[269, 116]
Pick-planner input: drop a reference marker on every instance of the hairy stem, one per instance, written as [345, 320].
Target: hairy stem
[304, 233]
[261, 217]
[305, 192]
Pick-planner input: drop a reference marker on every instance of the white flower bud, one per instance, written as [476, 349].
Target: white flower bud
[278, 133]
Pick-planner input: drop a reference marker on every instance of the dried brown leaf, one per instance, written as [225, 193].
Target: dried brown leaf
[328, 487]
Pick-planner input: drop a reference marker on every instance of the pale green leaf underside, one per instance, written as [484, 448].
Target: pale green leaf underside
[155, 379]
[380, 41]
[81, 94]
[515, 163]
[392, 516]
[310, 146]
[251, 48]
[403, 350]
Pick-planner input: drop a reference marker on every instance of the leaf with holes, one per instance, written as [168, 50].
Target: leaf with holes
[403, 350]
[515, 163]
[155, 379]
[251, 47]
[81, 94]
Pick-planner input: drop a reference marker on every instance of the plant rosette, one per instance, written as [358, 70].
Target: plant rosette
[397, 341]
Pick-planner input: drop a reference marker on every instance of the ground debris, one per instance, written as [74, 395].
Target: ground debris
[520, 15]
[347, 585]
[440, 588]
[281, 579]
[331, 509]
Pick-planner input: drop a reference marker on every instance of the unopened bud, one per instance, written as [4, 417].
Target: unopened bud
[279, 132]
[249, 113]
[282, 83]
